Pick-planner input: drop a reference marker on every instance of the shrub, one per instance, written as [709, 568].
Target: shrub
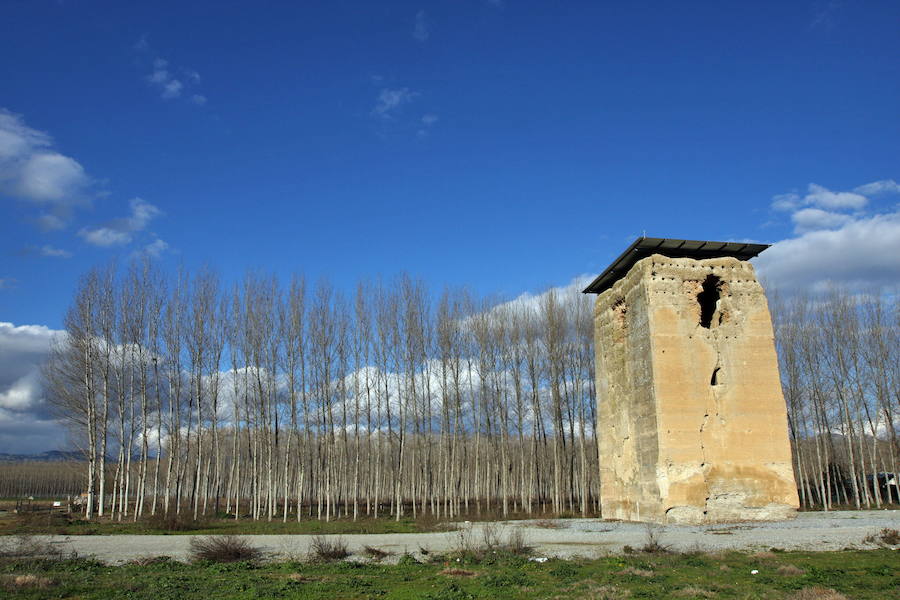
[374, 553]
[223, 548]
[653, 543]
[328, 549]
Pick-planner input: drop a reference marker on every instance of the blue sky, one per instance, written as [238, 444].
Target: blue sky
[506, 146]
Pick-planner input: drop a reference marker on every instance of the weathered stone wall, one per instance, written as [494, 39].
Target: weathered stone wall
[691, 417]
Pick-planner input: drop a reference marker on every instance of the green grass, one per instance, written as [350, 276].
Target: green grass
[59, 524]
[857, 574]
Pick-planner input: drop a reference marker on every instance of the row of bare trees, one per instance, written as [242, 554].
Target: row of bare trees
[840, 371]
[287, 401]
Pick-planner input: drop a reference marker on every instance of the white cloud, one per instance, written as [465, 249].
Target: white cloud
[32, 170]
[119, 231]
[427, 122]
[821, 197]
[50, 222]
[824, 198]
[390, 101]
[850, 248]
[104, 236]
[52, 252]
[863, 253]
[420, 28]
[812, 219]
[879, 188]
[26, 422]
[170, 86]
[155, 248]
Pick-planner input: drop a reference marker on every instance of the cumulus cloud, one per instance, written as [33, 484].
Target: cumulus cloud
[389, 101]
[812, 219]
[155, 249]
[420, 27]
[27, 424]
[31, 169]
[879, 188]
[858, 248]
[121, 231]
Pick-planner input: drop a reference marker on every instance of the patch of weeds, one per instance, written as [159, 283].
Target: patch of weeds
[407, 559]
[26, 582]
[790, 571]
[449, 591]
[563, 570]
[636, 572]
[451, 572]
[886, 537]
[324, 549]
[223, 549]
[549, 524]
[505, 580]
[817, 593]
[376, 554]
[146, 561]
[695, 592]
[653, 541]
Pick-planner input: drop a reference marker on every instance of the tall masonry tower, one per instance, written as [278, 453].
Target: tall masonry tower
[691, 420]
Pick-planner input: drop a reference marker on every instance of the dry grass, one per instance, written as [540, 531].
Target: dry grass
[548, 524]
[695, 592]
[790, 570]
[636, 572]
[145, 561]
[458, 573]
[817, 593]
[325, 549]
[373, 553]
[223, 548]
[653, 543]
[765, 554]
[887, 537]
[28, 581]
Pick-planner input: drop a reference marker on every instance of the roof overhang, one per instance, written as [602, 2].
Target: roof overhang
[644, 247]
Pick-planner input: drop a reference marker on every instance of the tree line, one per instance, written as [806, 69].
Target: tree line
[839, 356]
[289, 401]
[276, 401]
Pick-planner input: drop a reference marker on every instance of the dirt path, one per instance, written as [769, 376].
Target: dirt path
[573, 537]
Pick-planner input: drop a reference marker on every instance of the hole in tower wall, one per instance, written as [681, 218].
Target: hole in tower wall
[714, 380]
[708, 298]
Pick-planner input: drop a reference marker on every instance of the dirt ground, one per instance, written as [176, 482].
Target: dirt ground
[558, 537]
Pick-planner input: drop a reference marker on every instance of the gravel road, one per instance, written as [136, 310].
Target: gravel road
[572, 537]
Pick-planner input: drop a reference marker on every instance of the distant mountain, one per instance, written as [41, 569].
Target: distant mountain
[50, 456]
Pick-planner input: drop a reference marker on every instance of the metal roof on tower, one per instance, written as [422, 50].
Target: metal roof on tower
[644, 247]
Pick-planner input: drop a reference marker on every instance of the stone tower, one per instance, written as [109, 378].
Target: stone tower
[691, 419]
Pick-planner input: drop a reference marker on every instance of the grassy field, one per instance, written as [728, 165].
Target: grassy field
[790, 575]
[61, 524]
